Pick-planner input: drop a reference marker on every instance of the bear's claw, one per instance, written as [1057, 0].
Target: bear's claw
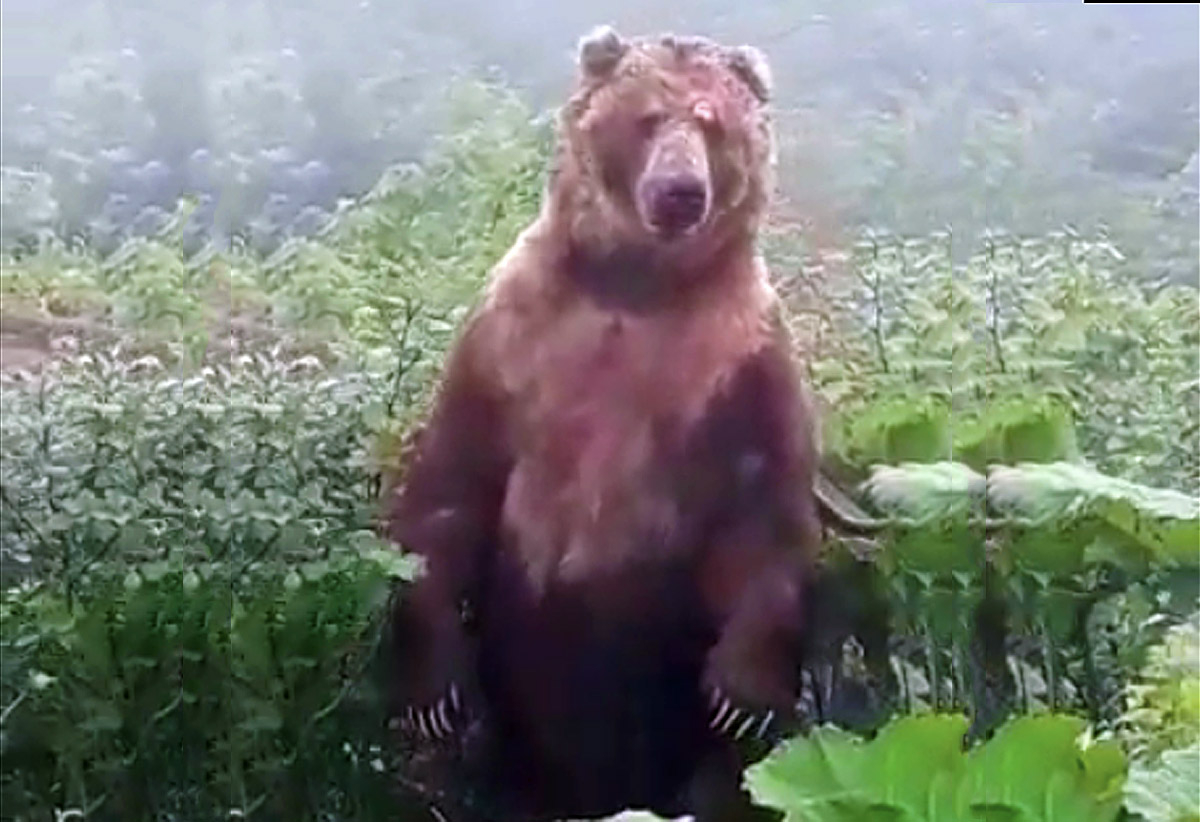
[437, 721]
[725, 718]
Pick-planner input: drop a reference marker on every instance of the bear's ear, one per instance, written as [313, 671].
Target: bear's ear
[751, 66]
[600, 51]
[687, 46]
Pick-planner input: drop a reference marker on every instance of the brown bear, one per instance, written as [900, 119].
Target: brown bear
[614, 491]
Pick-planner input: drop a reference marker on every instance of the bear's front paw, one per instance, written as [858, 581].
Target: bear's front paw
[729, 718]
[750, 689]
[432, 664]
[437, 721]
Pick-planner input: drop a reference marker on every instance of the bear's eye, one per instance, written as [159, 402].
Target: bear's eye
[651, 121]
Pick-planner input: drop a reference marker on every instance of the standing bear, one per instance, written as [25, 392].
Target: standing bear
[614, 492]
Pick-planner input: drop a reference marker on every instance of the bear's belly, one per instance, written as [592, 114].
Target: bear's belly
[598, 440]
[598, 682]
[595, 493]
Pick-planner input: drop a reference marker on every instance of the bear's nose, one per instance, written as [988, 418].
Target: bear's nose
[677, 201]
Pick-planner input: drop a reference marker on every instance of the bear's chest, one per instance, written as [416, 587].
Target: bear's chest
[610, 395]
[604, 404]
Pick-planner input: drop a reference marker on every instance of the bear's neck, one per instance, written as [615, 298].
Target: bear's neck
[642, 274]
[642, 277]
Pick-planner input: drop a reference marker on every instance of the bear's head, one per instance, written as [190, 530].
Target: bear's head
[665, 146]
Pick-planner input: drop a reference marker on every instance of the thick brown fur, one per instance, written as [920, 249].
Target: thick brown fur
[614, 490]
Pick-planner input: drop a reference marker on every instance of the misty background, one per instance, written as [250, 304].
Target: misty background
[907, 116]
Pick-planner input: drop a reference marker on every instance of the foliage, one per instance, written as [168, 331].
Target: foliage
[916, 494]
[1031, 588]
[1125, 520]
[384, 290]
[1166, 791]
[169, 690]
[112, 692]
[1033, 769]
[1064, 323]
[1034, 350]
[831, 775]
[189, 558]
[1163, 704]
[303, 736]
[1019, 364]
[108, 461]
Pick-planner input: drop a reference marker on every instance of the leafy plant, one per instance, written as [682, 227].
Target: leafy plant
[1163, 703]
[1153, 523]
[1034, 769]
[190, 558]
[1034, 350]
[1165, 791]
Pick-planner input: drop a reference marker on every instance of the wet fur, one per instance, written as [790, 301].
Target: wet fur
[613, 492]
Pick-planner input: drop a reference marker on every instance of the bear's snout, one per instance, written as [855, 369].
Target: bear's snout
[676, 202]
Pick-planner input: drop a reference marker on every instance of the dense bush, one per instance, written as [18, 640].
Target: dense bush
[1033, 349]
[192, 590]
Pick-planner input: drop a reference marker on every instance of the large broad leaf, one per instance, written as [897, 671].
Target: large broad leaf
[1034, 770]
[936, 507]
[1167, 790]
[922, 494]
[935, 551]
[909, 429]
[1036, 767]
[1034, 429]
[832, 776]
[1163, 522]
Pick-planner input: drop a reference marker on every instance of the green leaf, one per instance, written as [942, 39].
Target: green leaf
[1166, 523]
[900, 430]
[920, 494]
[1035, 769]
[832, 776]
[261, 716]
[1022, 429]
[922, 787]
[1035, 766]
[100, 716]
[1167, 790]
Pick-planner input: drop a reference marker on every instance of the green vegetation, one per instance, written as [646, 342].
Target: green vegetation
[192, 583]
[1032, 769]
